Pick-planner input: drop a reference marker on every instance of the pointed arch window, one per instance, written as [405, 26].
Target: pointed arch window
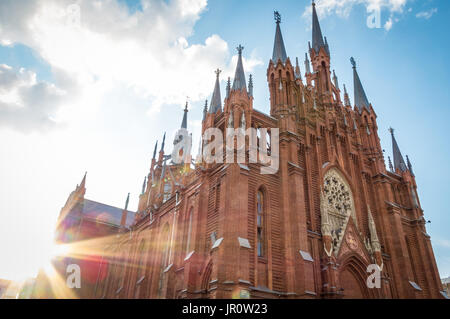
[260, 223]
[167, 191]
[189, 231]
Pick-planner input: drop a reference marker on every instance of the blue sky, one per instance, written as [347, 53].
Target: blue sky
[107, 111]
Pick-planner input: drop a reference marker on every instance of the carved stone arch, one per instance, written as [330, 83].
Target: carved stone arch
[337, 206]
[352, 278]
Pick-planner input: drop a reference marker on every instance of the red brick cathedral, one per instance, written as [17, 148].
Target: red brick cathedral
[329, 218]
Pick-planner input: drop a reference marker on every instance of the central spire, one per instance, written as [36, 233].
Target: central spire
[361, 100]
[317, 38]
[279, 52]
[239, 82]
[216, 100]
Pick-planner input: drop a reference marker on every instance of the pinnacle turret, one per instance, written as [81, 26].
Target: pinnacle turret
[239, 83]
[279, 51]
[184, 122]
[399, 163]
[216, 100]
[317, 38]
[361, 100]
[154, 151]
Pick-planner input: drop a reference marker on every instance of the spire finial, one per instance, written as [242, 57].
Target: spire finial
[184, 122]
[143, 184]
[83, 181]
[228, 86]
[154, 151]
[250, 85]
[216, 100]
[239, 49]
[163, 142]
[409, 165]
[391, 130]
[353, 62]
[239, 83]
[127, 201]
[277, 17]
[391, 167]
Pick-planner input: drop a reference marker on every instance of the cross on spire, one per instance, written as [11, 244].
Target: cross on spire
[353, 62]
[277, 17]
[239, 49]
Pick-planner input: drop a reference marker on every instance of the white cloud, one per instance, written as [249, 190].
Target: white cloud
[102, 46]
[343, 8]
[25, 103]
[426, 14]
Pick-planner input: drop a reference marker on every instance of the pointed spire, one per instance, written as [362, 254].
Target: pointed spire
[216, 100]
[143, 185]
[409, 165]
[184, 122]
[231, 119]
[361, 100]
[163, 142]
[391, 168]
[346, 98]
[228, 87]
[317, 38]
[127, 201]
[250, 85]
[307, 65]
[399, 163]
[373, 232]
[205, 109]
[279, 52]
[83, 181]
[154, 151]
[298, 73]
[335, 80]
[239, 76]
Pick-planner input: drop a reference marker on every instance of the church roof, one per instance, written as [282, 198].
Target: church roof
[105, 213]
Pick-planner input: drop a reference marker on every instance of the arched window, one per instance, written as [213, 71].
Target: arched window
[189, 231]
[260, 212]
[167, 191]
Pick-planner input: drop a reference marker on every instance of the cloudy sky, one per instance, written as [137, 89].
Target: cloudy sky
[91, 85]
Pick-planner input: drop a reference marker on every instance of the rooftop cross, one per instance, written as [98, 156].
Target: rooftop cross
[239, 49]
[277, 16]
